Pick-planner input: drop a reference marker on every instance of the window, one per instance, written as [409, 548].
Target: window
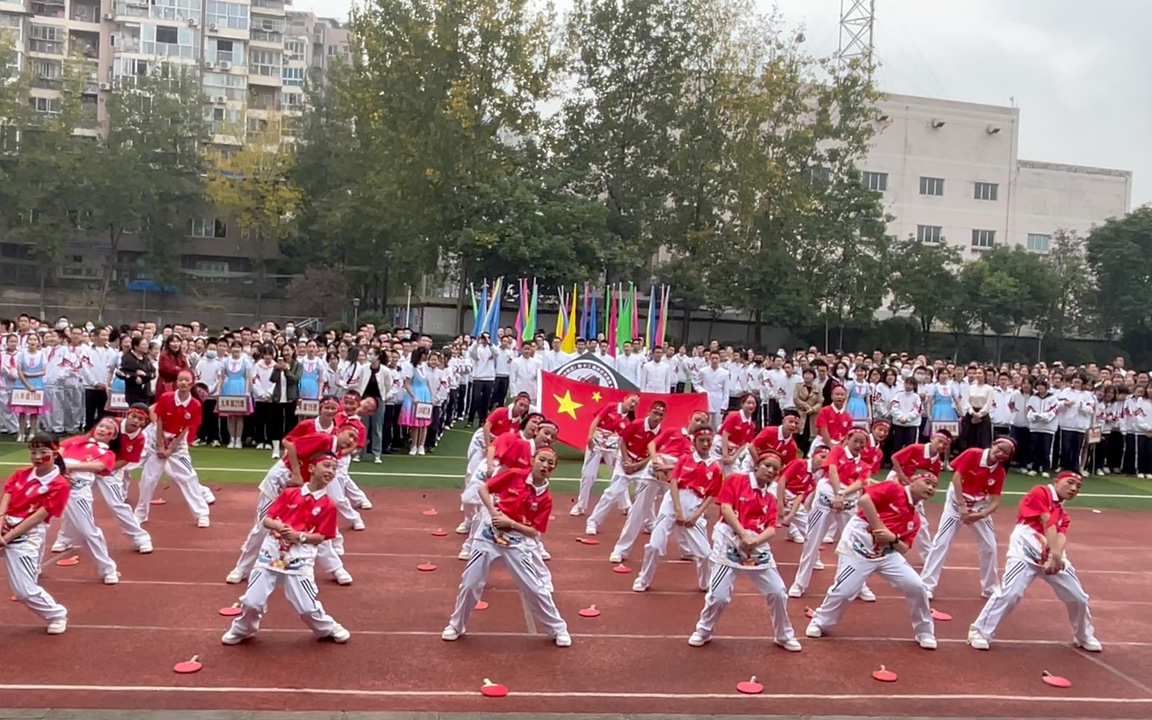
[230, 51]
[204, 228]
[233, 16]
[929, 233]
[178, 10]
[264, 62]
[931, 186]
[212, 270]
[876, 181]
[1039, 243]
[983, 238]
[48, 106]
[986, 191]
[47, 39]
[294, 49]
[228, 86]
[167, 35]
[294, 77]
[169, 41]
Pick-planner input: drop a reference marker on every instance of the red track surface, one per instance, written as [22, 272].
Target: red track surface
[122, 641]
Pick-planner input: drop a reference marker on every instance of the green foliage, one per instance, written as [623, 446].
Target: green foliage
[1119, 252]
[924, 281]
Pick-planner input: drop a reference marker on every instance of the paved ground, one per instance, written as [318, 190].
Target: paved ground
[229, 715]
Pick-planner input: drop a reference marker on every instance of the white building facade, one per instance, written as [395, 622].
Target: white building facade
[950, 172]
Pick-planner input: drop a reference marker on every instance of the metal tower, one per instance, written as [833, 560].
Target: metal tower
[856, 21]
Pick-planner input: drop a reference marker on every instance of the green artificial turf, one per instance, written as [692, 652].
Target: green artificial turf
[444, 469]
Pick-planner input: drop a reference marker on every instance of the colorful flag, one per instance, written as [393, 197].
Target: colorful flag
[530, 324]
[650, 322]
[481, 317]
[475, 310]
[572, 405]
[560, 313]
[493, 323]
[662, 325]
[521, 313]
[624, 327]
[593, 331]
[613, 320]
[568, 344]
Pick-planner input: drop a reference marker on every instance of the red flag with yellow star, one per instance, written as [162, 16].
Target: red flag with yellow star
[572, 405]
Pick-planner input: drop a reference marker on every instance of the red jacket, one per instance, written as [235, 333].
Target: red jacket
[170, 367]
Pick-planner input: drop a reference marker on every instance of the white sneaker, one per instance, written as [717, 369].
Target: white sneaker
[450, 634]
[930, 597]
[1141, 476]
[1090, 644]
[231, 638]
[367, 504]
[358, 525]
[412, 451]
[928, 642]
[112, 578]
[563, 640]
[545, 555]
[464, 554]
[1032, 473]
[338, 549]
[1100, 473]
[616, 558]
[339, 635]
[144, 548]
[577, 510]
[203, 521]
[819, 564]
[58, 626]
[828, 539]
[795, 591]
[813, 630]
[590, 529]
[420, 450]
[698, 640]
[342, 576]
[639, 586]
[978, 641]
[235, 577]
[463, 528]
[791, 645]
[866, 594]
[59, 547]
[209, 497]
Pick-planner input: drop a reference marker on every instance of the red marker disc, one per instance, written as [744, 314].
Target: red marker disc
[14, 599]
[430, 512]
[821, 547]
[481, 605]
[188, 666]
[159, 501]
[588, 541]
[622, 569]
[884, 675]
[551, 517]
[491, 689]
[426, 567]
[438, 533]
[1055, 680]
[69, 561]
[941, 616]
[750, 687]
[231, 611]
[809, 613]
[590, 612]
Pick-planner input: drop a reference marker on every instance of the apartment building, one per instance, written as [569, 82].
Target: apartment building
[950, 172]
[253, 55]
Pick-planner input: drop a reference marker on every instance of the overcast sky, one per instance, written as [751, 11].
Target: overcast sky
[1078, 70]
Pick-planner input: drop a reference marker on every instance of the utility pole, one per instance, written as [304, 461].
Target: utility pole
[857, 18]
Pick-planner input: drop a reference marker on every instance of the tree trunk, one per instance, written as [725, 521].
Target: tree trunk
[43, 283]
[685, 323]
[113, 252]
[461, 290]
[260, 274]
[757, 330]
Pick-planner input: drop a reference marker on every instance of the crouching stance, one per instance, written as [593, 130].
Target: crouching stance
[1036, 550]
[740, 547]
[517, 504]
[875, 541]
[33, 496]
[301, 519]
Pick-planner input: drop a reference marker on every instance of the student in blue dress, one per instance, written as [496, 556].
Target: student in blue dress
[944, 400]
[311, 373]
[31, 365]
[416, 392]
[236, 381]
[859, 393]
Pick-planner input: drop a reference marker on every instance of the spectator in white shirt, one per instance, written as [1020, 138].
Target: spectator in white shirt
[1077, 411]
[715, 382]
[96, 364]
[524, 373]
[1043, 421]
[657, 375]
[629, 365]
[483, 357]
[505, 354]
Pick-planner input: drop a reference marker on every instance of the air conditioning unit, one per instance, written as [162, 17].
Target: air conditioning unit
[225, 65]
[105, 86]
[220, 100]
[208, 65]
[109, 16]
[192, 22]
[212, 27]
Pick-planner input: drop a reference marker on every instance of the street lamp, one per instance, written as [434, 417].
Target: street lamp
[356, 313]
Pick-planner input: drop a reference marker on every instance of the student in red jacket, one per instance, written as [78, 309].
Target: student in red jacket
[1037, 549]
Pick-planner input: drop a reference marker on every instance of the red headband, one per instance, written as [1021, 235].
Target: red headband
[1069, 475]
[138, 411]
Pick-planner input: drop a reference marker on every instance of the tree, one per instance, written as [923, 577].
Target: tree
[924, 281]
[145, 175]
[252, 185]
[321, 291]
[1119, 252]
[1074, 304]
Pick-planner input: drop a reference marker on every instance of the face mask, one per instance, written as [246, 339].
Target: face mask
[90, 327]
[211, 354]
[62, 325]
[841, 372]
[289, 331]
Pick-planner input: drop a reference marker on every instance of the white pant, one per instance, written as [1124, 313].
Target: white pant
[592, 460]
[111, 488]
[822, 519]
[985, 532]
[525, 567]
[340, 490]
[178, 467]
[301, 592]
[78, 518]
[1018, 575]
[471, 504]
[923, 542]
[798, 527]
[694, 537]
[23, 561]
[250, 549]
[851, 575]
[643, 512]
[768, 582]
[616, 494]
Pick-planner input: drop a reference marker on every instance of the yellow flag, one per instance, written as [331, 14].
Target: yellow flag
[568, 345]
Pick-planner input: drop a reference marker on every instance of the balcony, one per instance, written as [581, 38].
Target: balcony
[47, 8]
[86, 13]
[128, 9]
[262, 36]
[268, 7]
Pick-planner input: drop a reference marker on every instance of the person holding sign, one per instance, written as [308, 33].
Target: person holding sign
[235, 401]
[740, 548]
[28, 401]
[31, 498]
[416, 413]
[1036, 550]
